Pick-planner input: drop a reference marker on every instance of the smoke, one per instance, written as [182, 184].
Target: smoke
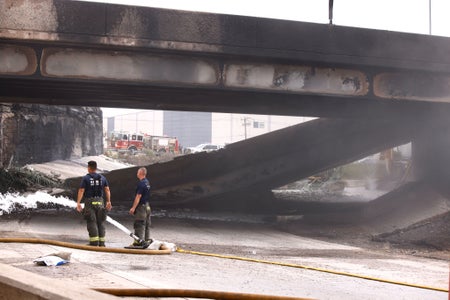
[11, 201]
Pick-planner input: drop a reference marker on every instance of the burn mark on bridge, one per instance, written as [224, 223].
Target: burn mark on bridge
[296, 78]
[415, 86]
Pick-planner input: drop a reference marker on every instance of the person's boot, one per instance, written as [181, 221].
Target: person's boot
[146, 243]
[136, 243]
[93, 241]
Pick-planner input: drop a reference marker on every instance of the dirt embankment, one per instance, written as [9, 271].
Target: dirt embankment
[431, 234]
[412, 219]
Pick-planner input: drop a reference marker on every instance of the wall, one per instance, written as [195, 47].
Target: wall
[31, 133]
[191, 128]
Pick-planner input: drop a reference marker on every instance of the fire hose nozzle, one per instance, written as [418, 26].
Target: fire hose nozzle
[144, 244]
[136, 238]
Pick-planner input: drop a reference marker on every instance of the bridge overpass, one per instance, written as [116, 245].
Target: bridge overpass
[81, 53]
[389, 86]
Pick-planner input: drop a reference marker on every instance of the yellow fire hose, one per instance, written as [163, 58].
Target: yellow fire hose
[314, 269]
[200, 293]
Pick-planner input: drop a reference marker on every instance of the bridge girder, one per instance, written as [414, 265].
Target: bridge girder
[136, 57]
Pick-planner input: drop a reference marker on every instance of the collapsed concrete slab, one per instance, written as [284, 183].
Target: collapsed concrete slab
[264, 162]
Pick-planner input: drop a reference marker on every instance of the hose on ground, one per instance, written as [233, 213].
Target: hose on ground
[149, 292]
[191, 294]
[314, 269]
[168, 251]
[83, 247]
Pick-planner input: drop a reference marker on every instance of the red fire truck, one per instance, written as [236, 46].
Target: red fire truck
[133, 142]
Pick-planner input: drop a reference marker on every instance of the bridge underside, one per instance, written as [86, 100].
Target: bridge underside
[188, 99]
[382, 88]
[149, 58]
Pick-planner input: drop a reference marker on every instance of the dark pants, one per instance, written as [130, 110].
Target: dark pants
[95, 215]
[142, 221]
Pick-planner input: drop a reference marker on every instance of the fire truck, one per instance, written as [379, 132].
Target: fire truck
[133, 142]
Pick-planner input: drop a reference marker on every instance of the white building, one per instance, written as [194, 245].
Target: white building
[230, 128]
[145, 121]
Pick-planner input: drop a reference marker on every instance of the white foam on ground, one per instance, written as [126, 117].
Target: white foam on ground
[9, 201]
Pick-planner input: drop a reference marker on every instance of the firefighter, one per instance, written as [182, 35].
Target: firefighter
[141, 208]
[92, 189]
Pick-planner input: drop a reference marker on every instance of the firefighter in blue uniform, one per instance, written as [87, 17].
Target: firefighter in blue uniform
[141, 208]
[93, 188]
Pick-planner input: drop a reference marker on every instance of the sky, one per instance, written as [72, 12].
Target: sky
[395, 15]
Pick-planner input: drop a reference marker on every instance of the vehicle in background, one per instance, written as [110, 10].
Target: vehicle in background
[123, 141]
[133, 142]
[203, 148]
[162, 144]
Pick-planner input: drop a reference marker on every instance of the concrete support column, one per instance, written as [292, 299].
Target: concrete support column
[431, 156]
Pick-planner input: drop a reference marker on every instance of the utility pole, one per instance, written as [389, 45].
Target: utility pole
[330, 11]
[429, 15]
[244, 119]
[245, 129]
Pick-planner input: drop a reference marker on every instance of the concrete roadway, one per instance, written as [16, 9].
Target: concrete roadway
[186, 271]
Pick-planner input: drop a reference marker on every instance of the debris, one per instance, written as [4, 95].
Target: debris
[155, 245]
[164, 245]
[54, 259]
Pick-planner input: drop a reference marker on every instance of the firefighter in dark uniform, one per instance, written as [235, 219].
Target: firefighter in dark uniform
[141, 208]
[92, 189]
